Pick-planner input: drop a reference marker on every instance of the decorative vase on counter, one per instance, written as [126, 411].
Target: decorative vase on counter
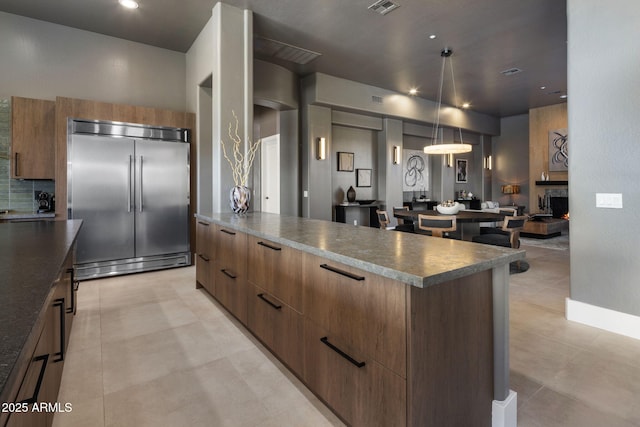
[351, 195]
[239, 197]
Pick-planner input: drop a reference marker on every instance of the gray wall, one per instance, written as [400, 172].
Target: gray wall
[604, 104]
[43, 60]
[363, 144]
[511, 160]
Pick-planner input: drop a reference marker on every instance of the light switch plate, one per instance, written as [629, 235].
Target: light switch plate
[305, 193]
[609, 200]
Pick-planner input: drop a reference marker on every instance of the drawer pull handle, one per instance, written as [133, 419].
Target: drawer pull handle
[72, 297]
[325, 341]
[59, 302]
[266, 245]
[206, 224]
[36, 391]
[204, 258]
[277, 307]
[15, 168]
[228, 232]
[226, 273]
[342, 272]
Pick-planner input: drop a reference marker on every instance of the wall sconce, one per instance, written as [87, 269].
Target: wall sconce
[396, 155]
[321, 149]
[449, 158]
[487, 162]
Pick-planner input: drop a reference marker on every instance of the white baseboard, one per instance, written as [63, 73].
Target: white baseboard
[603, 318]
[505, 413]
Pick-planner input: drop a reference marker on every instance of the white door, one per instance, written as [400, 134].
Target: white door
[270, 175]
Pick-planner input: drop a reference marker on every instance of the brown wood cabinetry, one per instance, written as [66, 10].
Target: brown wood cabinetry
[359, 389]
[355, 342]
[363, 310]
[377, 351]
[41, 381]
[204, 255]
[32, 138]
[230, 271]
[277, 269]
[277, 325]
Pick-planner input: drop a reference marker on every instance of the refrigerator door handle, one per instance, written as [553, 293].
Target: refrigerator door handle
[129, 186]
[140, 184]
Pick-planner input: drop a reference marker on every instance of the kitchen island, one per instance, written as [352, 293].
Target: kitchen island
[36, 310]
[387, 328]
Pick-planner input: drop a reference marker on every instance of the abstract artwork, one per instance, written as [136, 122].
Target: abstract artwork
[558, 150]
[415, 170]
[461, 171]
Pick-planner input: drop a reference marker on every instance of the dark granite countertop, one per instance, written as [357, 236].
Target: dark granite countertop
[12, 215]
[31, 255]
[414, 259]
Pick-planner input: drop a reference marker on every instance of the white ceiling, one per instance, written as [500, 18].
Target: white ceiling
[392, 51]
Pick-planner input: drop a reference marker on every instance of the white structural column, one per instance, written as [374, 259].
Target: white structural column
[504, 411]
[232, 91]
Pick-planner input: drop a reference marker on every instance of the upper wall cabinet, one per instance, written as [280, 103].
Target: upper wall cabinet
[32, 138]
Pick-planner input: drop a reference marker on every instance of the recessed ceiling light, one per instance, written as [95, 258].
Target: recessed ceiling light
[543, 87]
[413, 91]
[466, 105]
[433, 36]
[129, 4]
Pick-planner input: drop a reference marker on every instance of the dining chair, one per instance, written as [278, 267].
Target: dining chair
[383, 219]
[497, 228]
[405, 225]
[510, 236]
[438, 225]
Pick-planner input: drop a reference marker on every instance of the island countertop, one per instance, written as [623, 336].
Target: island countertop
[31, 255]
[414, 259]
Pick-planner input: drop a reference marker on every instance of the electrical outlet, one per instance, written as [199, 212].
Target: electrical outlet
[609, 200]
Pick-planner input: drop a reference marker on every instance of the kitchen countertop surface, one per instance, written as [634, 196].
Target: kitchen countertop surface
[13, 215]
[31, 255]
[414, 259]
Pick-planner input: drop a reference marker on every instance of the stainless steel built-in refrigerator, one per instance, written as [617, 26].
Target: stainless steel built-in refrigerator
[130, 186]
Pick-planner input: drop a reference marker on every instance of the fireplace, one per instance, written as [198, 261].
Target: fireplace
[555, 202]
[559, 206]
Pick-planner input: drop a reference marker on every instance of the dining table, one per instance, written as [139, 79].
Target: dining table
[468, 219]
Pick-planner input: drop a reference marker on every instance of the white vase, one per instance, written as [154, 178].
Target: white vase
[542, 177]
[239, 197]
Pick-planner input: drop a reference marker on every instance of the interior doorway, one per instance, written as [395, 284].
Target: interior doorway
[270, 174]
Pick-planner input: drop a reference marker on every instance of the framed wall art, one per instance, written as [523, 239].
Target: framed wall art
[558, 150]
[461, 171]
[345, 161]
[363, 178]
[415, 170]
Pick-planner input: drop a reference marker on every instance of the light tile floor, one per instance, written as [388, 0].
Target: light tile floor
[151, 350]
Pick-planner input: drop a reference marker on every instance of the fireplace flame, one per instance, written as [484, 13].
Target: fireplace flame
[565, 216]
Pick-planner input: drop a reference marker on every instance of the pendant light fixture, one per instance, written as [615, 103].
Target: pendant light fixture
[442, 148]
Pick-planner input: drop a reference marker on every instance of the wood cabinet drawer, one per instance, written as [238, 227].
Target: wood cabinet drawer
[204, 255]
[365, 311]
[230, 247]
[203, 272]
[230, 288]
[361, 390]
[203, 238]
[277, 325]
[277, 269]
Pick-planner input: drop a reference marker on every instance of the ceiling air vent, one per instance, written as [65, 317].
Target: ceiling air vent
[510, 71]
[284, 51]
[383, 6]
[376, 99]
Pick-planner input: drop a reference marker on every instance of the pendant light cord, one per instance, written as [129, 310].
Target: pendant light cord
[437, 124]
[455, 95]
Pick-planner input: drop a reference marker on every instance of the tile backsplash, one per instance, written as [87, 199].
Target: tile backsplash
[15, 194]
